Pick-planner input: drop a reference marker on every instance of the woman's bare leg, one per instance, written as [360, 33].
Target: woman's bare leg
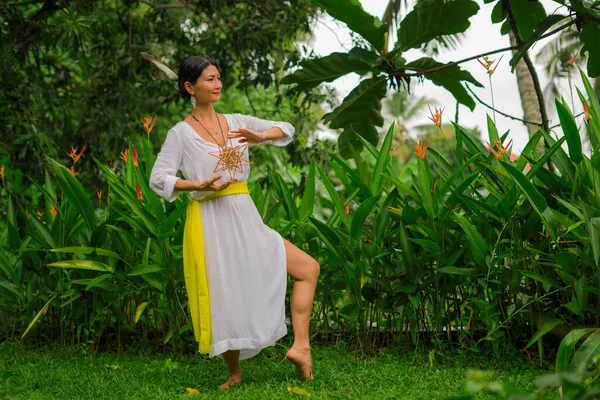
[232, 358]
[305, 271]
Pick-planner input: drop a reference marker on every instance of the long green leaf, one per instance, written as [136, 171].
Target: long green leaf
[82, 264]
[75, 194]
[308, 197]
[85, 250]
[353, 176]
[565, 349]
[39, 315]
[142, 269]
[382, 161]
[479, 247]
[359, 217]
[589, 350]
[335, 198]
[570, 130]
[545, 328]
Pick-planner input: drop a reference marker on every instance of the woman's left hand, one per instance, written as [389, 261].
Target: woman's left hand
[247, 136]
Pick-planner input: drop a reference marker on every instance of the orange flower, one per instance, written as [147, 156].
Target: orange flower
[99, 194]
[501, 149]
[135, 159]
[39, 213]
[420, 147]
[436, 116]
[588, 117]
[347, 208]
[2, 172]
[487, 64]
[73, 154]
[72, 169]
[148, 123]
[139, 193]
[53, 211]
[125, 155]
[572, 60]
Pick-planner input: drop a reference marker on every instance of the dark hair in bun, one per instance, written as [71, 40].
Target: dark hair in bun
[190, 69]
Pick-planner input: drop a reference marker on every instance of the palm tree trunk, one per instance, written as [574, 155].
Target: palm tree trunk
[529, 100]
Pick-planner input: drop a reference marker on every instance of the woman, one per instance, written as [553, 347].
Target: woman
[234, 265]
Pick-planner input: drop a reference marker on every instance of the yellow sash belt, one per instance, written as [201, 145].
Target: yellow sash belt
[194, 265]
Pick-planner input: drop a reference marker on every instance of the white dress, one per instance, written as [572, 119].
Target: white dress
[245, 259]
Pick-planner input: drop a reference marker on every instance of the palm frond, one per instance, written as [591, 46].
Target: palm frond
[162, 66]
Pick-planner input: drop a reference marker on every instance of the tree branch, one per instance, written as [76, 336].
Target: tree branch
[452, 64]
[498, 111]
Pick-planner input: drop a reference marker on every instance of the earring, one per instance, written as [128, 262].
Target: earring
[193, 101]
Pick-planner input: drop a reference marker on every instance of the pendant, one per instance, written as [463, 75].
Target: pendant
[230, 158]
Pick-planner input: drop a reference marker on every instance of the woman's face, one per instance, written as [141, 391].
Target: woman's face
[207, 88]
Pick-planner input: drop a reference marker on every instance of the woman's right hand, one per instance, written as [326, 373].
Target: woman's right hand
[210, 185]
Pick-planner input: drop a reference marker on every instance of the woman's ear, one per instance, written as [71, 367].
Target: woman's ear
[188, 87]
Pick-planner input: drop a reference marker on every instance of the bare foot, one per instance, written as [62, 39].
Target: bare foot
[234, 379]
[302, 360]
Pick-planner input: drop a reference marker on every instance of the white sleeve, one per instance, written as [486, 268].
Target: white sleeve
[261, 125]
[168, 162]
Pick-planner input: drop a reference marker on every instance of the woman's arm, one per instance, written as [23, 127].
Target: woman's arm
[255, 131]
[163, 179]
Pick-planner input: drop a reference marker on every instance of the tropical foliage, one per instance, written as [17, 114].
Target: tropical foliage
[429, 21]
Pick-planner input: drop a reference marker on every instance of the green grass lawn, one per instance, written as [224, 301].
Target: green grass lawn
[56, 373]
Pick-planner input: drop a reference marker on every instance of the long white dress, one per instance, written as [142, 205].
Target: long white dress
[245, 259]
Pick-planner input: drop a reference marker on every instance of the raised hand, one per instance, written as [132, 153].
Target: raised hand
[247, 135]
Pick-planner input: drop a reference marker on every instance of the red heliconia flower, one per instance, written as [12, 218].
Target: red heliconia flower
[72, 169]
[39, 213]
[139, 193]
[73, 154]
[487, 64]
[501, 150]
[125, 155]
[420, 148]
[53, 211]
[436, 116]
[572, 60]
[347, 208]
[135, 158]
[99, 193]
[588, 117]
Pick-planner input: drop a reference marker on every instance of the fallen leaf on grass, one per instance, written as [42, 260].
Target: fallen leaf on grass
[192, 391]
[114, 366]
[299, 391]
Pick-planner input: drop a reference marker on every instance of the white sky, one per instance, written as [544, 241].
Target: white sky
[330, 36]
